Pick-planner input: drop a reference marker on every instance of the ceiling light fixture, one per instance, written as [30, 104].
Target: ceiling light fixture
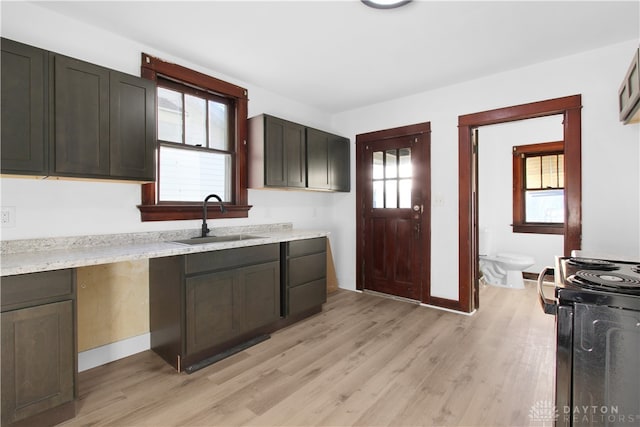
[385, 4]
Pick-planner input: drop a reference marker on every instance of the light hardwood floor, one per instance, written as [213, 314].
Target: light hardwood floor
[364, 361]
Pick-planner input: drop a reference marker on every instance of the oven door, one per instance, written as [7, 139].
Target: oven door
[606, 366]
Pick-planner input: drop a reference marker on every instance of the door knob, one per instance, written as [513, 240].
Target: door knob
[417, 208]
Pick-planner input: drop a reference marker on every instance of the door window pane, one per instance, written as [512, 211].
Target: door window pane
[404, 163]
[391, 194]
[169, 115]
[378, 165]
[378, 194]
[391, 165]
[405, 193]
[195, 128]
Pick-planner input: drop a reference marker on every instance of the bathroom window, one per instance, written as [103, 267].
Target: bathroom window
[202, 131]
[538, 188]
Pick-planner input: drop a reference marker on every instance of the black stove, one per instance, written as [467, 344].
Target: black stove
[606, 280]
[597, 310]
[598, 281]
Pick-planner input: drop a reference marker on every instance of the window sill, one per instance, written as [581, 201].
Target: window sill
[538, 228]
[176, 212]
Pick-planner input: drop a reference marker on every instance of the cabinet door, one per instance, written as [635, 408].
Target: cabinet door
[81, 110]
[132, 127]
[285, 153]
[318, 159]
[213, 312]
[38, 360]
[328, 161]
[339, 164]
[261, 304]
[23, 117]
[629, 93]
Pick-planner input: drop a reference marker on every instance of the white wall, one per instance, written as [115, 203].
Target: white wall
[610, 152]
[495, 194]
[47, 208]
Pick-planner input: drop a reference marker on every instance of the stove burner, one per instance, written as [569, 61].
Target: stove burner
[592, 264]
[606, 280]
[636, 269]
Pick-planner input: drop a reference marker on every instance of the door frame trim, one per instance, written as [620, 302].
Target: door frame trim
[361, 181]
[570, 107]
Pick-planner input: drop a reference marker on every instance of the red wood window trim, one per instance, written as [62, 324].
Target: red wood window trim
[519, 223]
[150, 208]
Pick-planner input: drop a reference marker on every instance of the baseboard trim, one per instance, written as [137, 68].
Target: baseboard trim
[111, 352]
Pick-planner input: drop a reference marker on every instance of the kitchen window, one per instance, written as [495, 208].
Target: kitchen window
[538, 188]
[202, 128]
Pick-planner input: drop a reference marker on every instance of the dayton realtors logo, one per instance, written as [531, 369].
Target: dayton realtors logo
[545, 411]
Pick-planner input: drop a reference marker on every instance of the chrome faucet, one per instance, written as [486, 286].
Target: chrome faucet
[205, 229]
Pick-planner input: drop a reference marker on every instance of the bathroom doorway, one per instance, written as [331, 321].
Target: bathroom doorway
[496, 204]
[468, 231]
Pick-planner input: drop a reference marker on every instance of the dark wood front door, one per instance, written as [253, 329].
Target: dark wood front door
[393, 209]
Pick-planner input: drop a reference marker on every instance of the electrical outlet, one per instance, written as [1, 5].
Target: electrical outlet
[8, 216]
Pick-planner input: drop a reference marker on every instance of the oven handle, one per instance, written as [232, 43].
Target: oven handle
[548, 305]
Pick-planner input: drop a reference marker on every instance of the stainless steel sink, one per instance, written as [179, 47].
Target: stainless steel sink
[216, 239]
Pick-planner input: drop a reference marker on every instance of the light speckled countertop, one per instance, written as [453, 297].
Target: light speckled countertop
[34, 255]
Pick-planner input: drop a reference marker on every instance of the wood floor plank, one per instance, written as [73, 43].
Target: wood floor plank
[365, 360]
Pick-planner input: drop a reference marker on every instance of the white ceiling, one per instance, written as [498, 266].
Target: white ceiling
[340, 55]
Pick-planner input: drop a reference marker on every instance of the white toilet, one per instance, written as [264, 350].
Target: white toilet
[502, 269]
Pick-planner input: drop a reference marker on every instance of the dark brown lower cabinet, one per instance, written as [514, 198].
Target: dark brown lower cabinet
[204, 304]
[223, 305]
[305, 274]
[38, 348]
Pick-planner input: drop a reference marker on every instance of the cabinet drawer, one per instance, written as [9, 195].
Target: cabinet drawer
[25, 290]
[231, 258]
[307, 269]
[307, 296]
[309, 246]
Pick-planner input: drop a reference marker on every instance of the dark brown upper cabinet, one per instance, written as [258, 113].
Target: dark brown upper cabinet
[81, 116]
[80, 119]
[23, 112]
[629, 93]
[328, 161]
[132, 108]
[277, 153]
[288, 155]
